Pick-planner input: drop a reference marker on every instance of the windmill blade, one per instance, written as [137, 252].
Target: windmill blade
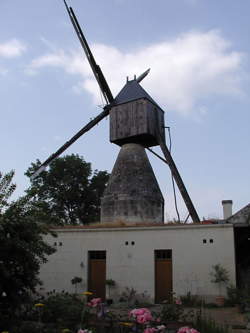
[95, 68]
[82, 131]
[178, 179]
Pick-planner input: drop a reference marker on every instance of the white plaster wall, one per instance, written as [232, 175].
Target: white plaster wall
[133, 265]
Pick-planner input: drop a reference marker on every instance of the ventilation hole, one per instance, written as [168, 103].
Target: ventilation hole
[133, 243]
[204, 241]
[60, 243]
[55, 244]
[211, 240]
[126, 243]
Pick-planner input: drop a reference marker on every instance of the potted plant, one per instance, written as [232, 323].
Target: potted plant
[220, 276]
[75, 281]
[110, 283]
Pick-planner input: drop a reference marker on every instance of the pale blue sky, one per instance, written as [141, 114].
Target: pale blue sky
[198, 52]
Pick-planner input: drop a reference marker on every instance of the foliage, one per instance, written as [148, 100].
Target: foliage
[22, 251]
[172, 312]
[233, 295]
[190, 300]
[69, 191]
[110, 282]
[75, 282]
[208, 325]
[219, 275]
[128, 295]
[62, 309]
[6, 188]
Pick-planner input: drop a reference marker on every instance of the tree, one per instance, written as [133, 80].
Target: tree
[69, 191]
[6, 188]
[22, 250]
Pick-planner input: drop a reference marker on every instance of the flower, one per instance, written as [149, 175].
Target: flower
[126, 324]
[142, 315]
[187, 329]
[87, 293]
[84, 331]
[193, 330]
[178, 301]
[39, 305]
[94, 302]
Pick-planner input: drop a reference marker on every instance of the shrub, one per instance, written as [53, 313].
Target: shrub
[62, 309]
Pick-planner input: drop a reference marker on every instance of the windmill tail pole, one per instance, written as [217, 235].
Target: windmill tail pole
[178, 180]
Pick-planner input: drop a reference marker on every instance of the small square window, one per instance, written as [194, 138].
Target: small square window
[132, 243]
[204, 241]
[55, 244]
[60, 243]
[211, 240]
[126, 243]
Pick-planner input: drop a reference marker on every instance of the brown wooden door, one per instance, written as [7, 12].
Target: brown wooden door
[163, 275]
[97, 273]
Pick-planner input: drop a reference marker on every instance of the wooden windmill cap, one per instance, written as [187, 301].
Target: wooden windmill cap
[131, 92]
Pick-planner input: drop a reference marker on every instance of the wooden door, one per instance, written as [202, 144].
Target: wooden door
[163, 275]
[97, 273]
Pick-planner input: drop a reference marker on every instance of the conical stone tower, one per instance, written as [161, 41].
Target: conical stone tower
[133, 194]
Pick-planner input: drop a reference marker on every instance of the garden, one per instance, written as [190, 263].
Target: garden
[83, 313]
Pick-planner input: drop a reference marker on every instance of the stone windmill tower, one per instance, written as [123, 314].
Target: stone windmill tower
[136, 122]
[133, 194]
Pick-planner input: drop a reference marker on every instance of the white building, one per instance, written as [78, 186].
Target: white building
[157, 259]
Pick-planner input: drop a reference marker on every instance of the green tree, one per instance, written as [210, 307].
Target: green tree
[6, 188]
[69, 191]
[22, 251]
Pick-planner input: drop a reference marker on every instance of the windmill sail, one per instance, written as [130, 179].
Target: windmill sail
[95, 68]
[82, 131]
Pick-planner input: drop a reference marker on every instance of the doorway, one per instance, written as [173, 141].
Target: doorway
[163, 275]
[97, 274]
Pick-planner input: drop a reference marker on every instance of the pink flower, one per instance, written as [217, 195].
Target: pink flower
[150, 330]
[142, 315]
[141, 319]
[94, 302]
[193, 330]
[178, 301]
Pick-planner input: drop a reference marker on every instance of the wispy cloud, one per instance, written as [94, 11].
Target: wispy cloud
[12, 48]
[184, 71]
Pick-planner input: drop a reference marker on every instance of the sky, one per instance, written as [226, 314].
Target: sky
[198, 52]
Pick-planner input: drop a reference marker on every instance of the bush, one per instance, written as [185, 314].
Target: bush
[62, 309]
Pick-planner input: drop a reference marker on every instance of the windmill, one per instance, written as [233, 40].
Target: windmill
[136, 123]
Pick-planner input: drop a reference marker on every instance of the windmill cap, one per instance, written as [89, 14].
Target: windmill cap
[133, 91]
